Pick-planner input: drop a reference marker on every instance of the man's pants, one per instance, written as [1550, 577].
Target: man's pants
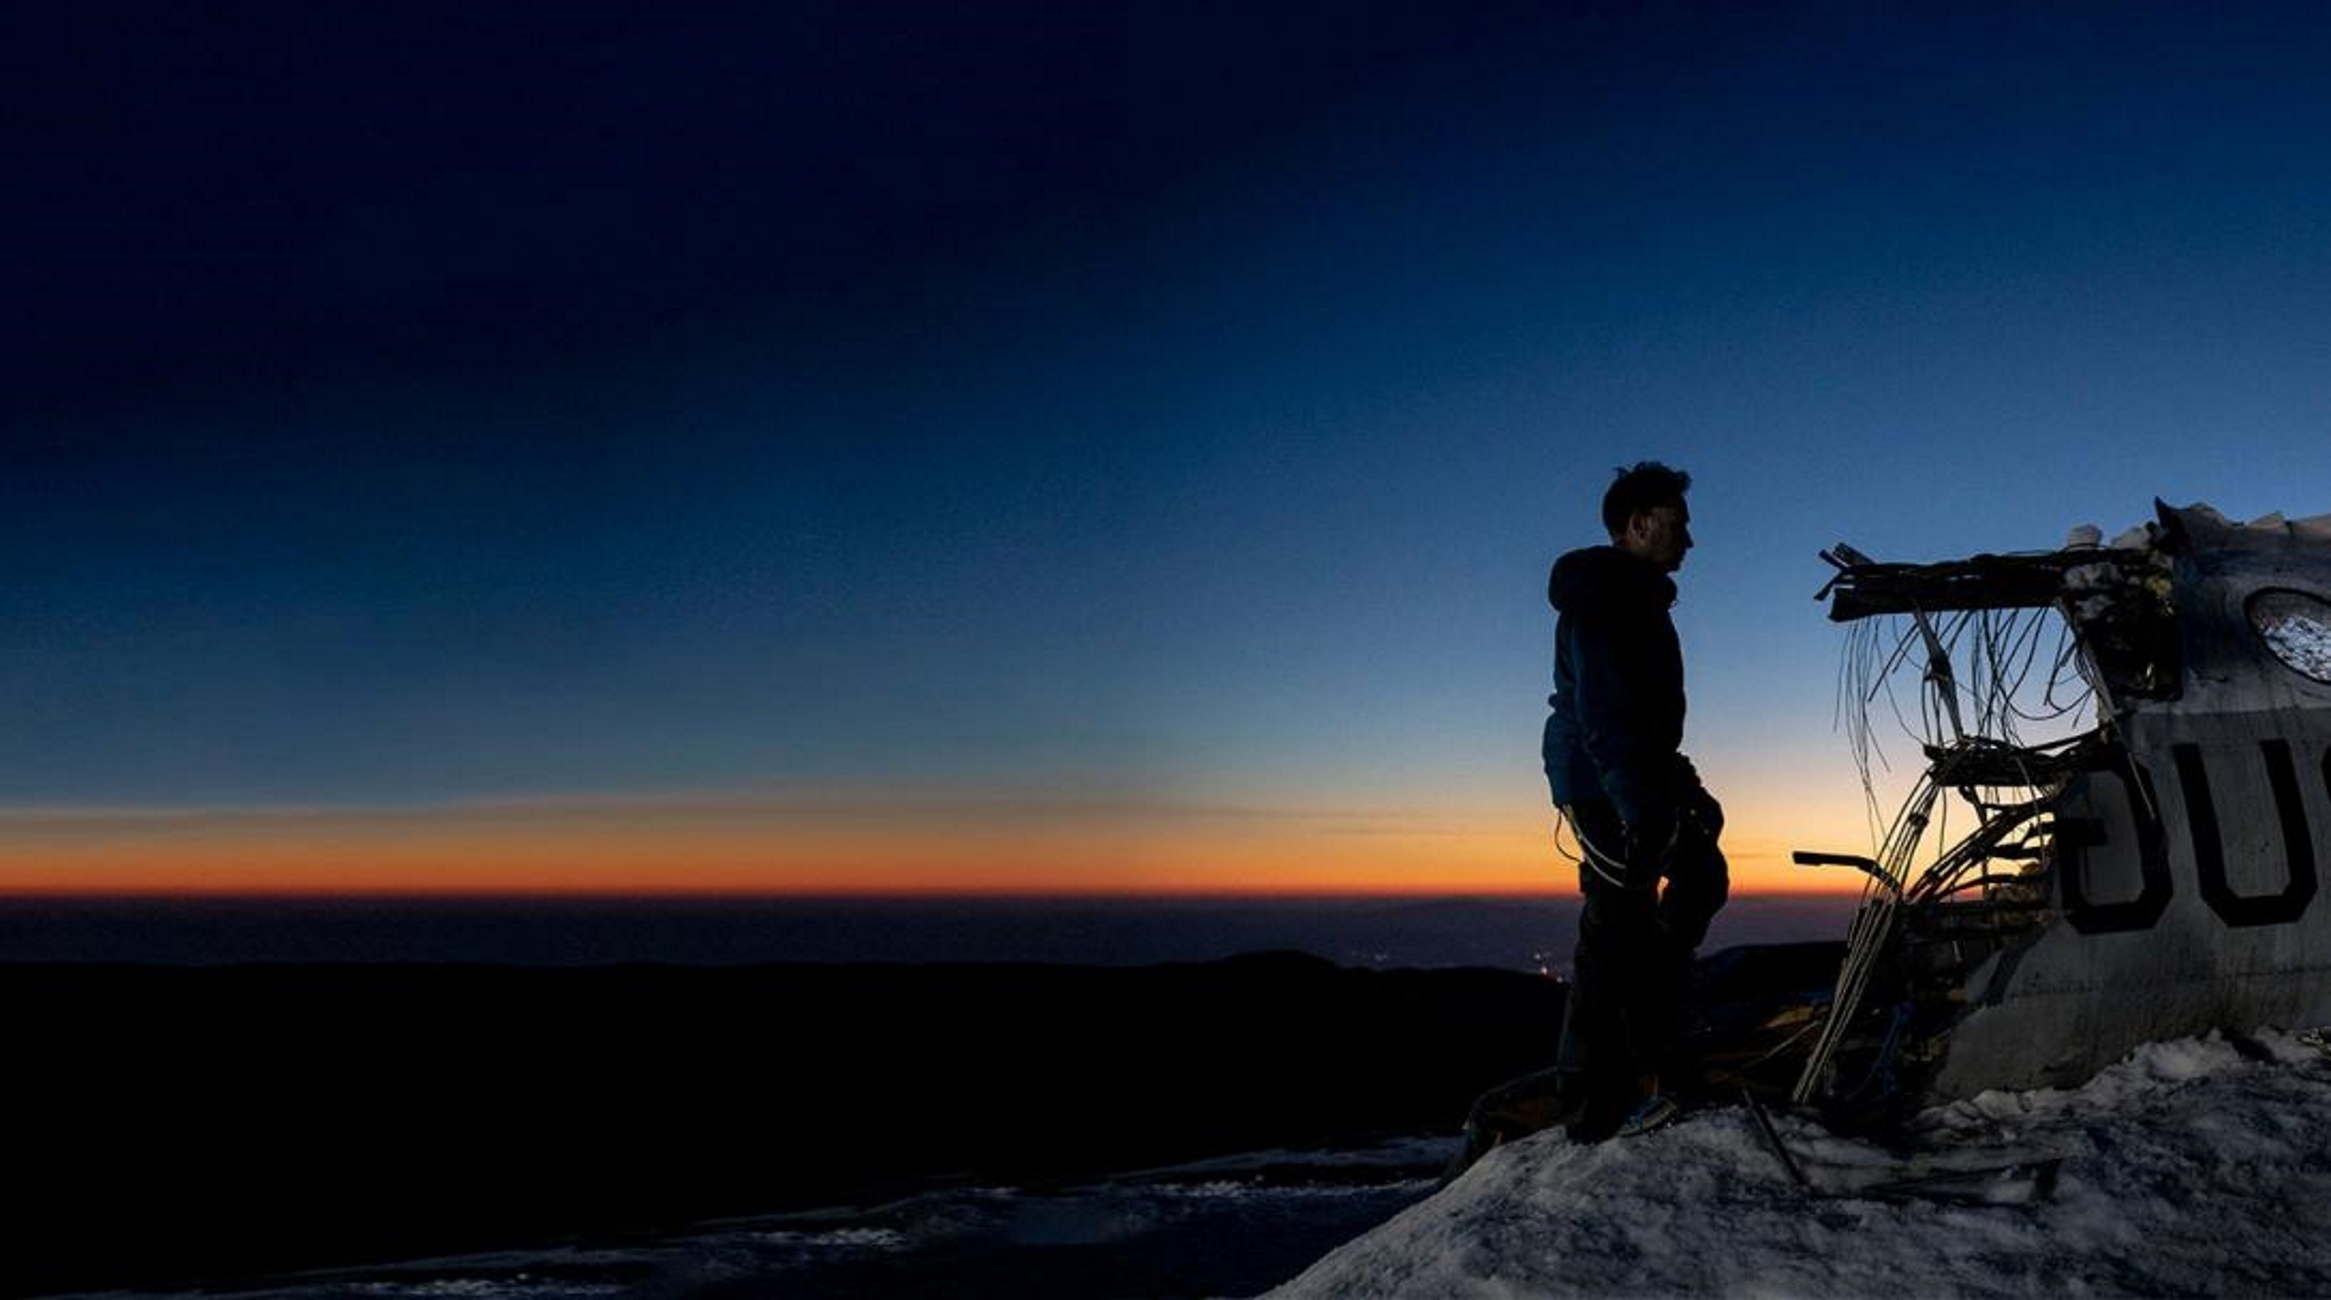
[1635, 944]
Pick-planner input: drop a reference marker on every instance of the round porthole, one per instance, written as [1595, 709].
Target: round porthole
[2297, 628]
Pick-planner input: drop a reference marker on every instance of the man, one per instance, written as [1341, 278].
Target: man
[1631, 800]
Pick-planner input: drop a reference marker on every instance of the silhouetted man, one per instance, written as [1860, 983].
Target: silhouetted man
[1632, 801]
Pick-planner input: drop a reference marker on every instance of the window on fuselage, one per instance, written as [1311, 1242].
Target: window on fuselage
[2296, 627]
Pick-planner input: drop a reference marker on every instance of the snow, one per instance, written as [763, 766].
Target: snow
[2191, 1167]
[2302, 640]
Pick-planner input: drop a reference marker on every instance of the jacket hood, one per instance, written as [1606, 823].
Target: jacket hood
[1605, 577]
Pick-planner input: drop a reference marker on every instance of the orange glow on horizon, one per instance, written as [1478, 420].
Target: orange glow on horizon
[744, 847]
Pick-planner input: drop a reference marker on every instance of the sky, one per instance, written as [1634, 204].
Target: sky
[1065, 448]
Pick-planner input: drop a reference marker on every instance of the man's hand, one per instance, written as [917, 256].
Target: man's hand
[1650, 841]
[1700, 809]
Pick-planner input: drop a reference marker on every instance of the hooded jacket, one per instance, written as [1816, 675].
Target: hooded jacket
[1618, 695]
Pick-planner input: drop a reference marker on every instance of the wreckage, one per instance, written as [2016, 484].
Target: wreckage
[2116, 836]
[2152, 871]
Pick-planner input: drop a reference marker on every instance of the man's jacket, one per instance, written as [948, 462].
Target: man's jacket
[1618, 686]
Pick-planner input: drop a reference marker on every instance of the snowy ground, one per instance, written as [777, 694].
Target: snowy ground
[2190, 1168]
[1208, 1228]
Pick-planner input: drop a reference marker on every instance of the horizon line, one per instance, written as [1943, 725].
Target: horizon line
[959, 895]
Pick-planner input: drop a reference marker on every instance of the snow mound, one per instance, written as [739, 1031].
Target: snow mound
[2193, 1167]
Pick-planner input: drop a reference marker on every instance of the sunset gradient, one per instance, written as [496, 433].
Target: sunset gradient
[1037, 448]
[784, 845]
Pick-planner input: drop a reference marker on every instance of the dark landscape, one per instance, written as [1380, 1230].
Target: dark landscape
[177, 1125]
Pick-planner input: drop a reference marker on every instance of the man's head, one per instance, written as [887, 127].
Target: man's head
[1646, 515]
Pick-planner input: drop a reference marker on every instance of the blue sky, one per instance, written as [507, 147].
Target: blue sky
[1169, 403]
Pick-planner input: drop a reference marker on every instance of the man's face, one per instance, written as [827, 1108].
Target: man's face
[1660, 535]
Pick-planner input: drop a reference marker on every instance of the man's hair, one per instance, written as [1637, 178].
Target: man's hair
[1645, 485]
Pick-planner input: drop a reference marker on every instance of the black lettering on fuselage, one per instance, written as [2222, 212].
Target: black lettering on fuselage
[2209, 845]
[2076, 836]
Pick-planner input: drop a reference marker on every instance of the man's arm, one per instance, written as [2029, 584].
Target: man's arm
[1617, 713]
